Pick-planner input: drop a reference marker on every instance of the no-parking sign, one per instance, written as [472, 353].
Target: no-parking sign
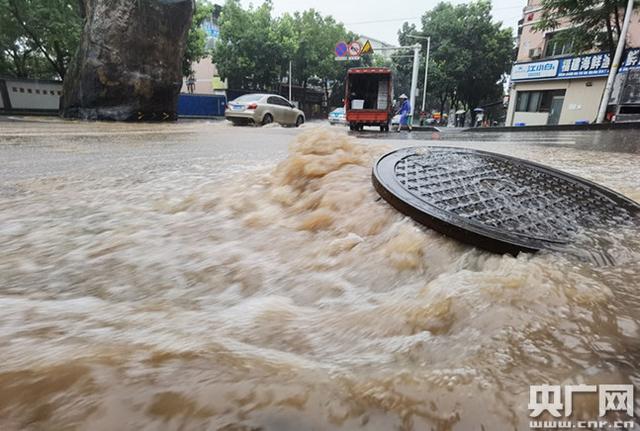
[354, 49]
[348, 51]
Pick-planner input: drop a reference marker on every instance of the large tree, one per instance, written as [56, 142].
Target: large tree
[248, 52]
[255, 48]
[310, 39]
[39, 37]
[470, 53]
[595, 23]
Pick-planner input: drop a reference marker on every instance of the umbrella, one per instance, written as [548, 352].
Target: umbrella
[478, 110]
[460, 111]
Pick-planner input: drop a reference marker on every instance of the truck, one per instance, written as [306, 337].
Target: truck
[368, 97]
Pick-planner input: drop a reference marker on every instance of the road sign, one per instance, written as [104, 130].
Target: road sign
[354, 49]
[367, 48]
[341, 49]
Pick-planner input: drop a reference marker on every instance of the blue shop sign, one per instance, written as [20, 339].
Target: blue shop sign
[582, 66]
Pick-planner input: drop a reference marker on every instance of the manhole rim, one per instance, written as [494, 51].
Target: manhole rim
[475, 232]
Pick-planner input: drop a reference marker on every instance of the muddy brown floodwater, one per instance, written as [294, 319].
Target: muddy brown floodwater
[149, 283]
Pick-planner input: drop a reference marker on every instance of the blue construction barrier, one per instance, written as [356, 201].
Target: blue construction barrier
[201, 105]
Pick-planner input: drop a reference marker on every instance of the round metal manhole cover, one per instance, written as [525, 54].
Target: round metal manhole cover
[496, 202]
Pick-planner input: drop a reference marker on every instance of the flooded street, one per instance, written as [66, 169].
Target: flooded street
[197, 276]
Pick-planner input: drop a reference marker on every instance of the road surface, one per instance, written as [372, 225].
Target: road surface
[201, 276]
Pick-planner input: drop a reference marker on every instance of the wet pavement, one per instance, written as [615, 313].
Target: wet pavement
[201, 276]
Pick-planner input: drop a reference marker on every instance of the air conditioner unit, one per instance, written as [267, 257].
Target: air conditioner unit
[535, 53]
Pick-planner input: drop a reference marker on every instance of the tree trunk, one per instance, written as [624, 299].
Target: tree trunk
[616, 12]
[15, 11]
[304, 97]
[326, 96]
[116, 73]
[443, 101]
[612, 46]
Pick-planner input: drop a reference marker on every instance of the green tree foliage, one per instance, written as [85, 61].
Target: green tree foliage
[255, 48]
[402, 61]
[595, 23]
[311, 45]
[249, 51]
[470, 53]
[197, 38]
[38, 37]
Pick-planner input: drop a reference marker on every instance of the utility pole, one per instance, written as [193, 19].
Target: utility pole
[426, 68]
[290, 81]
[414, 78]
[426, 73]
[615, 64]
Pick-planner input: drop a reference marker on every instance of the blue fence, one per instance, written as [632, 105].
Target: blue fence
[201, 105]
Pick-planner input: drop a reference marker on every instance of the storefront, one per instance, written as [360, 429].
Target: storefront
[564, 90]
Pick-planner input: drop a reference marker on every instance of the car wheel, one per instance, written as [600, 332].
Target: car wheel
[267, 119]
[299, 121]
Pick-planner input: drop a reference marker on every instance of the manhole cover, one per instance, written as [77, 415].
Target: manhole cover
[496, 202]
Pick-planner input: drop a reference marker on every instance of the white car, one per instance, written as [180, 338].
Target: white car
[261, 109]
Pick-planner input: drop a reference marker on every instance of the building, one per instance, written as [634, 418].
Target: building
[551, 85]
[29, 96]
[205, 78]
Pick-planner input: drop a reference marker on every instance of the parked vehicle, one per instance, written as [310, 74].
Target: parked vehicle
[368, 97]
[261, 109]
[338, 116]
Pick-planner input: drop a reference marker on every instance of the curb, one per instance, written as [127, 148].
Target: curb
[558, 128]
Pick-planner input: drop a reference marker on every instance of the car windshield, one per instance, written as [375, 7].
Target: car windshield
[249, 98]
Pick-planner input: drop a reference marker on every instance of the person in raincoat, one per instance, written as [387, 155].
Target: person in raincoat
[404, 112]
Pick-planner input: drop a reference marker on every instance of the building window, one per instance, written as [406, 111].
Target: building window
[21, 90]
[536, 101]
[53, 93]
[15, 89]
[29, 90]
[557, 44]
[528, 101]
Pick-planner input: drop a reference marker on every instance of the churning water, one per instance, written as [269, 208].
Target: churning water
[290, 297]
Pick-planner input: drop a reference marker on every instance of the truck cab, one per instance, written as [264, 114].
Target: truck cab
[368, 98]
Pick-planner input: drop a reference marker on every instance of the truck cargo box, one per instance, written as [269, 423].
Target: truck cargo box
[368, 99]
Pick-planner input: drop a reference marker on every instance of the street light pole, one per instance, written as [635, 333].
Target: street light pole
[615, 63]
[426, 73]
